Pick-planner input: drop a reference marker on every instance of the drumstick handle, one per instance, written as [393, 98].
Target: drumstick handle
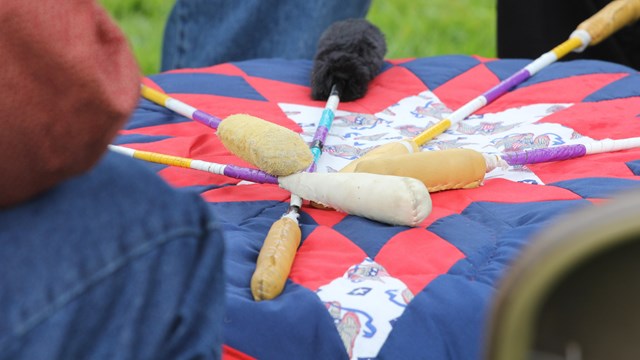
[610, 19]
[564, 152]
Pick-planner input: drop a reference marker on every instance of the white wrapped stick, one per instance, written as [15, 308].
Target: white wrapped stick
[389, 199]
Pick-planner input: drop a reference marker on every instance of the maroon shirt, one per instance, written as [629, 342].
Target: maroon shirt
[68, 81]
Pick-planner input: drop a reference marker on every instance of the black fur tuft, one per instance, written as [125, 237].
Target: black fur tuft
[350, 54]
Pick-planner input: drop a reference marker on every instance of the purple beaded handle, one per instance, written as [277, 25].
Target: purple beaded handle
[564, 152]
[249, 174]
[544, 155]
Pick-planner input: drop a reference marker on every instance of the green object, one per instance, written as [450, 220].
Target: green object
[574, 292]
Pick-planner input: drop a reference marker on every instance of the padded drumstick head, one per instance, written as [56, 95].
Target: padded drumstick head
[270, 147]
[350, 54]
[438, 170]
[389, 199]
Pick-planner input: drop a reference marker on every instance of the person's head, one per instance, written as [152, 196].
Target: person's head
[69, 81]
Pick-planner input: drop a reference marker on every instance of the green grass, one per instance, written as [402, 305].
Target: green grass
[436, 27]
[143, 23]
[412, 28]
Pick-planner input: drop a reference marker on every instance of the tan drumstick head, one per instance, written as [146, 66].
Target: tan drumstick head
[270, 147]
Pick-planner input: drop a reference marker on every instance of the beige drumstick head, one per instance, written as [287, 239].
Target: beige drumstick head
[270, 147]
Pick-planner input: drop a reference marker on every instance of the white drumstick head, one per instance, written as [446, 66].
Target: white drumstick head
[394, 200]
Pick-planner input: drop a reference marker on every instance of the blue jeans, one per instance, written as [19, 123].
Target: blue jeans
[202, 33]
[113, 264]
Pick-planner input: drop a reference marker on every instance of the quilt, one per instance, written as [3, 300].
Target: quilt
[361, 289]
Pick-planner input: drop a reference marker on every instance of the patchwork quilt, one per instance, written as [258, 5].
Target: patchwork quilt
[361, 289]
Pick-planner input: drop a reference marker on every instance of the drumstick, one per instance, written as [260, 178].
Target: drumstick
[270, 147]
[350, 53]
[598, 27]
[397, 201]
[281, 243]
[466, 168]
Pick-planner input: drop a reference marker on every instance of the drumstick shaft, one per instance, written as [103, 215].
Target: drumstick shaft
[495, 92]
[179, 107]
[229, 170]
